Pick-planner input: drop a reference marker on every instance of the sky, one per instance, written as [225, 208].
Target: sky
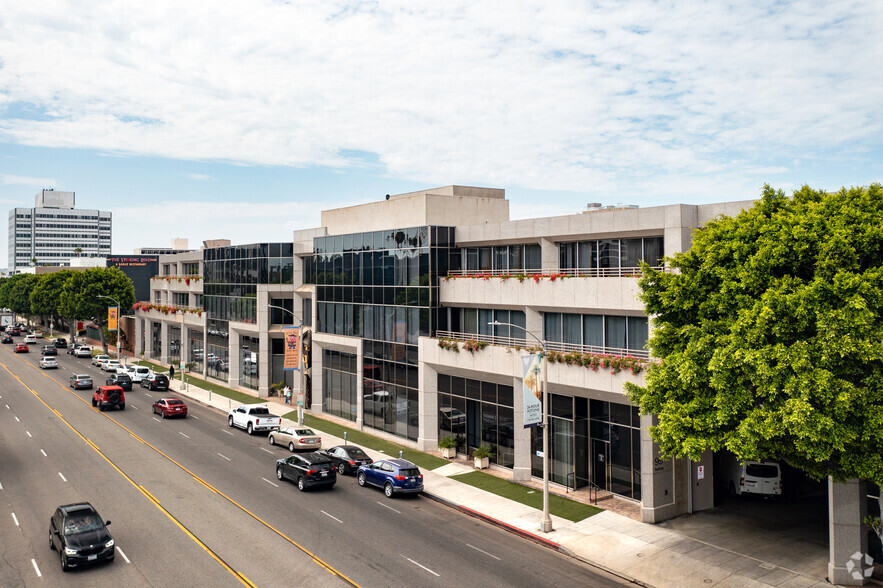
[244, 120]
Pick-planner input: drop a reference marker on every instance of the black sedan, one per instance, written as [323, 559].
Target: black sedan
[156, 382]
[346, 459]
[307, 470]
[6, 339]
[61, 343]
[124, 381]
[79, 535]
[49, 350]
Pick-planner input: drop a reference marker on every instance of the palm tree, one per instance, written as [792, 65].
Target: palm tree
[78, 251]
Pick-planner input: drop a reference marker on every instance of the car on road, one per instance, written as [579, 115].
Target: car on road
[21, 348]
[78, 381]
[30, 340]
[14, 331]
[121, 380]
[306, 470]
[166, 407]
[61, 342]
[139, 372]
[99, 359]
[83, 351]
[110, 365]
[253, 418]
[108, 397]
[6, 339]
[49, 350]
[47, 363]
[155, 382]
[295, 438]
[347, 458]
[80, 536]
[395, 476]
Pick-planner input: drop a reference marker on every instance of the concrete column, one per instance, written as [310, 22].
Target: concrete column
[427, 396]
[234, 365]
[139, 336]
[847, 534]
[316, 371]
[549, 255]
[264, 360]
[164, 341]
[521, 468]
[533, 322]
[657, 478]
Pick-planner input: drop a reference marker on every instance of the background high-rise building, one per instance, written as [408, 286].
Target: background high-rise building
[52, 231]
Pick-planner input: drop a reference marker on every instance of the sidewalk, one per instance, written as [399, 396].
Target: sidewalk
[641, 553]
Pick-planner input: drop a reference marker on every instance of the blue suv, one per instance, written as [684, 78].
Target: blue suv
[395, 476]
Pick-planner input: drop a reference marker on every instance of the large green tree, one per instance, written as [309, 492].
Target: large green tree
[769, 333]
[79, 298]
[46, 294]
[16, 292]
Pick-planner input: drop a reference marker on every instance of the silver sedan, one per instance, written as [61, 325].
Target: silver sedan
[295, 438]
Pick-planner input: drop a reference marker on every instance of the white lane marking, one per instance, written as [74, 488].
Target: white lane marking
[44, 453]
[15, 518]
[62, 476]
[420, 566]
[148, 395]
[16, 420]
[1, 486]
[193, 416]
[225, 457]
[123, 554]
[36, 569]
[226, 431]
[7, 406]
[180, 433]
[389, 507]
[269, 482]
[332, 516]
[29, 434]
[267, 450]
[483, 551]
[133, 406]
[157, 420]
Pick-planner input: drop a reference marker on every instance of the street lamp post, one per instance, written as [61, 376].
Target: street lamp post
[118, 322]
[546, 522]
[301, 380]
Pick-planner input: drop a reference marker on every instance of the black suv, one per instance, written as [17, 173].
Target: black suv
[157, 382]
[79, 535]
[124, 381]
[61, 343]
[307, 470]
[49, 350]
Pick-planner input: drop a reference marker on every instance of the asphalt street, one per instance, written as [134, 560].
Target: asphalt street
[193, 502]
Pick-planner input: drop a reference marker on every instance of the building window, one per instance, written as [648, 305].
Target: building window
[588, 333]
[339, 390]
[610, 254]
[477, 413]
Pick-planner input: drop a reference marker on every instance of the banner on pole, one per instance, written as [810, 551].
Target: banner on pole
[292, 339]
[112, 314]
[531, 391]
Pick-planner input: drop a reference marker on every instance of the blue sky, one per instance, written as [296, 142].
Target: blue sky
[244, 120]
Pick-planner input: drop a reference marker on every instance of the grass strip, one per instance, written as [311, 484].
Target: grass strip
[420, 459]
[558, 506]
[207, 385]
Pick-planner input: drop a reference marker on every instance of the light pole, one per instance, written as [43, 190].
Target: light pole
[301, 380]
[118, 322]
[546, 522]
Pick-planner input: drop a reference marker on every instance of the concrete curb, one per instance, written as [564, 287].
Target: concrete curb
[532, 537]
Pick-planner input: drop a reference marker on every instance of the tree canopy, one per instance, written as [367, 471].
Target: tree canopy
[79, 297]
[769, 333]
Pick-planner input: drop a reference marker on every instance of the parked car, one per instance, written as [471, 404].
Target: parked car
[155, 382]
[110, 365]
[347, 458]
[295, 438]
[47, 363]
[139, 373]
[30, 340]
[80, 536]
[6, 339]
[121, 380]
[253, 418]
[126, 369]
[78, 381]
[109, 396]
[166, 407]
[307, 471]
[395, 476]
[763, 478]
[21, 348]
[49, 350]
[99, 359]
[83, 351]
[61, 342]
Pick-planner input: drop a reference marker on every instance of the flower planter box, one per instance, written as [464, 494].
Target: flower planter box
[449, 452]
[481, 463]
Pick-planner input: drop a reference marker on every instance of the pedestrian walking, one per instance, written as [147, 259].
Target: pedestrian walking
[287, 392]
[171, 372]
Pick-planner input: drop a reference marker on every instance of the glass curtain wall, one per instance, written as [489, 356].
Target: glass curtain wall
[249, 360]
[217, 358]
[339, 386]
[175, 345]
[611, 253]
[197, 354]
[501, 259]
[607, 333]
[383, 288]
[615, 435]
[477, 413]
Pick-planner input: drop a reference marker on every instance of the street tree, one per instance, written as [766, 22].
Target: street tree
[46, 294]
[16, 293]
[79, 298]
[769, 335]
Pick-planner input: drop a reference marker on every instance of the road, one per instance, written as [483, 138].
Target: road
[193, 502]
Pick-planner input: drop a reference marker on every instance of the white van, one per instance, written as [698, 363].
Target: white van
[140, 373]
[763, 478]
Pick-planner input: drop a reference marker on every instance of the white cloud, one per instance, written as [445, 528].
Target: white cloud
[200, 177]
[609, 97]
[40, 183]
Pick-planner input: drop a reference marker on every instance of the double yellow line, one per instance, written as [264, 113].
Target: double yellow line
[156, 502]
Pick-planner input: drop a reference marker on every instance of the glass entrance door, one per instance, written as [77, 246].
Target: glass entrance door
[600, 463]
[473, 425]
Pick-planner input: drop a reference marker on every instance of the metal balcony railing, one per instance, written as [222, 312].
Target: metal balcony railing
[575, 272]
[550, 345]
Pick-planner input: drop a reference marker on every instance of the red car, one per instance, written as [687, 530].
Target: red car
[167, 407]
[21, 348]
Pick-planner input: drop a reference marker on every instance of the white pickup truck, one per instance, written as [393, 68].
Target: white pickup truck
[252, 418]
